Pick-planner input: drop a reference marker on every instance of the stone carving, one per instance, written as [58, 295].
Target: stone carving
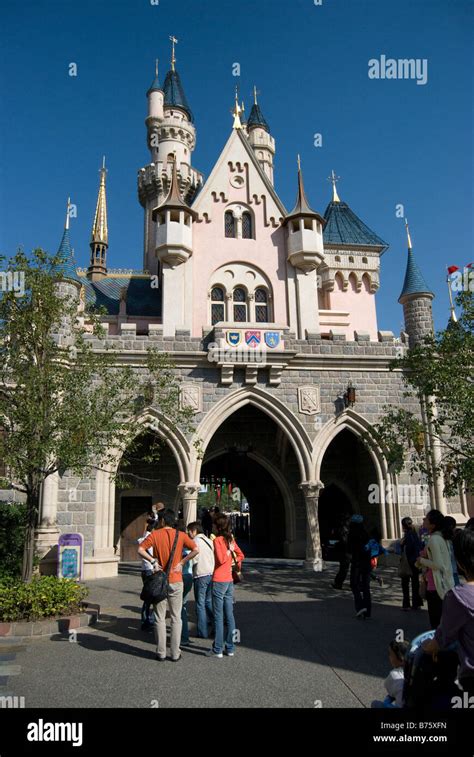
[191, 397]
[309, 400]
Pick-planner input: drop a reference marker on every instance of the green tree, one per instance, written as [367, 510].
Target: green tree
[439, 372]
[62, 405]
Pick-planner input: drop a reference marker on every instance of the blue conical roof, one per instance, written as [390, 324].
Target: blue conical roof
[344, 227]
[156, 86]
[66, 267]
[174, 93]
[414, 282]
[256, 118]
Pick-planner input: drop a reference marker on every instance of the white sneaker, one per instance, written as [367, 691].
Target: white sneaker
[361, 612]
[230, 654]
[211, 653]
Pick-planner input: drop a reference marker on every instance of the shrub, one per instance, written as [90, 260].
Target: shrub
[43, 597]
[12, 525]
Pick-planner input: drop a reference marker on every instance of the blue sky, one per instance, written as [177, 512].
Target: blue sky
[391, 141]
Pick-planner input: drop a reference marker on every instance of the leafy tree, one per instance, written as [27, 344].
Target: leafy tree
[439, 372]
[64, 406]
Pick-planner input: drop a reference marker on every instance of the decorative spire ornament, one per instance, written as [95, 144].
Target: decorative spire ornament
[334, 179]
[174, 42]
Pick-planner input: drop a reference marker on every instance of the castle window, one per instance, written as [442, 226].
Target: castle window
[240, 305]
[337, 258]
[217, 305]
[261, 306]
[351, 259]
[308, 224]
[229, 224]
[364, 260]
[247, 226]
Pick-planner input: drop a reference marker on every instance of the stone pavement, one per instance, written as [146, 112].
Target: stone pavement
[300, 645]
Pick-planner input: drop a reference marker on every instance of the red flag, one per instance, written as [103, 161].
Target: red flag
[469, 265]
[452, 269]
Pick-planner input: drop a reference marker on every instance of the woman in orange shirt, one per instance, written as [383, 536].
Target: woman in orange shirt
[223, 587]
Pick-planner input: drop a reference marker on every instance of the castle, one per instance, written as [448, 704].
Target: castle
[270, 318]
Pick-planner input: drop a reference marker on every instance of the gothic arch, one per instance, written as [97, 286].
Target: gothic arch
[359, 426]
[290, 522]
[268, 404]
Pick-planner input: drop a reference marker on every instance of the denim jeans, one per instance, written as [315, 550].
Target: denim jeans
[187, 586]
[223, 606]
[203, 597]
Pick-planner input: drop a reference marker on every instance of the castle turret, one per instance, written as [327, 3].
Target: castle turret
[260, 138]
[100, 234]
[69, 285]
[416, 299]
[305, 254]
[174, 247]
[155, 115]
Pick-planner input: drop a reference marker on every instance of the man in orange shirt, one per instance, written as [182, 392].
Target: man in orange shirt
[162, 539]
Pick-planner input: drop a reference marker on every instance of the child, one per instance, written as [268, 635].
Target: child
[397, 651]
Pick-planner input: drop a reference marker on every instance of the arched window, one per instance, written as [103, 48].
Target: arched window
[261, 306]
[229, 224]
[247, 225]
[240, 305]
[217, 305]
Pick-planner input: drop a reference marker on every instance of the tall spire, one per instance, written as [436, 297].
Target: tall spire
[334, 179]
[66, 266]
[414, 283]
[256, 119]
[302, 206]
[174, 42]
[66, 225]
[237, 111]
[100, 232]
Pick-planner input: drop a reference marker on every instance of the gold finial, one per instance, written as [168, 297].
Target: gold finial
[100, 232]
[410, 247]
[299, 162]
[237, 110]
[334, 179]
[66, 225]
[174, 42]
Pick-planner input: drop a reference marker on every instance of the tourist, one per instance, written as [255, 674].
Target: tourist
[156, 509]
[341, 551]
[187, 586]
[162, 541]
[225, 547]
[394, 683]
[147, 570]
[203, 568]
[411, 546]
[457, 619]
[436, 559]
[360, 566]
[206, 521]
[375, 548]
[450, 527]
[470, 524]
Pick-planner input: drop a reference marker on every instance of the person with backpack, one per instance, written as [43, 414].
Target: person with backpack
[168, 544]
[147, 570]
[436, 558]
[203, 568]
[357, 542]
[227, 553]
[411, 546]
[457, 619]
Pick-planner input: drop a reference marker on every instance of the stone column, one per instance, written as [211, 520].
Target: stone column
[189, 496]
[48, 532]
[314, 558]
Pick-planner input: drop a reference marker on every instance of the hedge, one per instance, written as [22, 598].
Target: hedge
[12, 525]
[43, 597]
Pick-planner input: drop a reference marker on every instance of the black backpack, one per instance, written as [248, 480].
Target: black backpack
[155, 587]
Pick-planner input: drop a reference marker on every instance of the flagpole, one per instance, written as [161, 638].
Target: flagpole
[451, 304]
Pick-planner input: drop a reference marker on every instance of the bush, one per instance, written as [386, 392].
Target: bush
[43, 597]
[12, 525]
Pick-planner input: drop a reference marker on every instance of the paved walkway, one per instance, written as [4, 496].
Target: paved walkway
[300, 644]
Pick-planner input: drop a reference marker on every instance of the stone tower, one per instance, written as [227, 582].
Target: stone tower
[416, 300]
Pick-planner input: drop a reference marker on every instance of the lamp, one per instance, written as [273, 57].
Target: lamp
[350, 396]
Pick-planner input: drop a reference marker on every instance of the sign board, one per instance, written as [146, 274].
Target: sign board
[70, 556]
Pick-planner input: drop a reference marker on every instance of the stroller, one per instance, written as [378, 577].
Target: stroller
[430, 685]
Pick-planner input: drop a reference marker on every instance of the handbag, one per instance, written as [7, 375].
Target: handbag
[236, 571]
[155, 588]
[404, 568]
